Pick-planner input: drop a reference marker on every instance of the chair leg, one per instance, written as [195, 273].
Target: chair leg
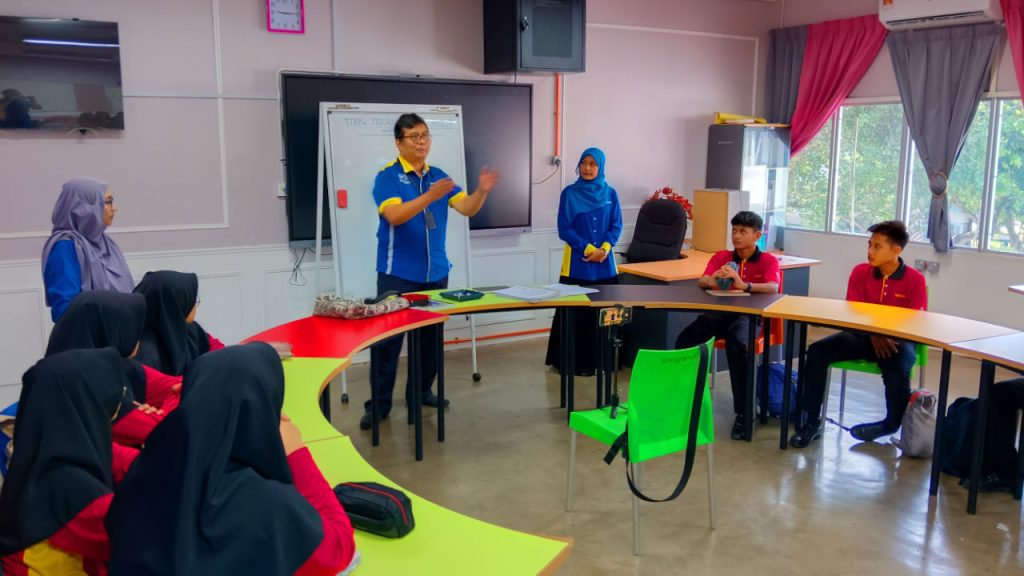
[572, 461]
[842, 394]
[636, 513]
[711, 484]
[920, 377]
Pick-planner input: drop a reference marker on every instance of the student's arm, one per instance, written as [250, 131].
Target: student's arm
[397, 212]
[854, 291]
[123, 456]
[85, 534]
[134, 428]
[62, 277]
[336, 549]
[471, 204]
[771, 277]
[707, 282]
[161, 387]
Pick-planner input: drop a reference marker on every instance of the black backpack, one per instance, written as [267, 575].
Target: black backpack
[958, 437]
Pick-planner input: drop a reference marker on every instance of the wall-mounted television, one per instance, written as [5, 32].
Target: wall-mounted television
[59, 74]
[497, 129]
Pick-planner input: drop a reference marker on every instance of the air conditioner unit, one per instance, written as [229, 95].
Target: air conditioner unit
[909, 14]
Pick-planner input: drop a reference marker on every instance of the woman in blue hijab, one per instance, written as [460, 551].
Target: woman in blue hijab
[589, 222]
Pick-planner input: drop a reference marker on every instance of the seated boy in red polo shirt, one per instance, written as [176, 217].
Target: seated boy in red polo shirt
[744, 268]
[883, 279]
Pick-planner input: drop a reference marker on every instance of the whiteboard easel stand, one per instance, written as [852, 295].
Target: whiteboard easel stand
[318, 248]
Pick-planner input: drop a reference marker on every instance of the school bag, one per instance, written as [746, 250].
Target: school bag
[958, 437]
[776, 375]
[917, 430]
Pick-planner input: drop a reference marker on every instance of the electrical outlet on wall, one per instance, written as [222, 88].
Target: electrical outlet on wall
[280, 190]
[933, 266]
[921, 265]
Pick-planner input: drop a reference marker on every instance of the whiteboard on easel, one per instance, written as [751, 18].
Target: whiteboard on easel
[357, 142]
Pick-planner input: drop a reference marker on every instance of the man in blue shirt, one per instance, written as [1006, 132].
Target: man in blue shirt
[413, 199]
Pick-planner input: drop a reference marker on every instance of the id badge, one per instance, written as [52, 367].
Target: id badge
[431, 224]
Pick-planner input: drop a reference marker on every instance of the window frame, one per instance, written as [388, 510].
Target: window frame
[907, 157]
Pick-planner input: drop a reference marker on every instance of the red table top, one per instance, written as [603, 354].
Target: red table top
[320, 337]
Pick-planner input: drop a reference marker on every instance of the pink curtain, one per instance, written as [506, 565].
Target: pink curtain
[1013, 13]
[838, 54]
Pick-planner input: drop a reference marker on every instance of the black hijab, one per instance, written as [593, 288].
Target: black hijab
[101, 318]
[170, 344]
[213, 483]
[63, 459]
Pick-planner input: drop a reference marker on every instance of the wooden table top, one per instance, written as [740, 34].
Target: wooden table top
[1019, 289]
[930, 328]
[692, 266]
[1006, 350]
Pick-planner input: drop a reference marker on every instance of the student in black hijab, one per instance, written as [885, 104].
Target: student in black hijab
[57, 493]
[225, 485]
[172, 339]
[101, 318]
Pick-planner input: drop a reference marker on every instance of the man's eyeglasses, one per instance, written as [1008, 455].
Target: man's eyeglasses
[424, 137]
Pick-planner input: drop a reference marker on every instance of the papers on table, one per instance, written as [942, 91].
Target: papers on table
[529, 294]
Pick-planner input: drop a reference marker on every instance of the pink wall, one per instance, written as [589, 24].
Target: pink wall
[167, 168]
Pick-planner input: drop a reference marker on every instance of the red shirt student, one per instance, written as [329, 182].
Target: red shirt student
[62, 473]
[225, 485]
[744, 268]
[884, 279]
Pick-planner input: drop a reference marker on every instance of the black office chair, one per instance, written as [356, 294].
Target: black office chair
[659, 232]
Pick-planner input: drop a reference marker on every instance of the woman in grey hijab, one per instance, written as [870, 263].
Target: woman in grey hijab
[79, 255]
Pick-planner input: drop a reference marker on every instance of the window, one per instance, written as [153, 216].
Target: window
[965, 189]
[1006, 231]
[862, 168]
[869, 166]
[807, 198]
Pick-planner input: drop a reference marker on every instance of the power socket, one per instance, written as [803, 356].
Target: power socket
[931, 266]
[281, 190]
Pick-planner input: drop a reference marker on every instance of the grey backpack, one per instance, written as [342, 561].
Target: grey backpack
[917, 438]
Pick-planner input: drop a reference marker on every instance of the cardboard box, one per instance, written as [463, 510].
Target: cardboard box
[712, 211]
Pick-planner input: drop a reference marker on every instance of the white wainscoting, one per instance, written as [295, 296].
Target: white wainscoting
[248, 289]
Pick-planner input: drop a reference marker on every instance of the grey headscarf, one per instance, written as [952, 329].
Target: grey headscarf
[78, 216]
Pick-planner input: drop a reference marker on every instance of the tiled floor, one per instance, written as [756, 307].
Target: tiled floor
[838, 507]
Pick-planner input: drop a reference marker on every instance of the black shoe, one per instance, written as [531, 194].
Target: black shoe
[992, 482]
[868, 432]
[430, 399]
[739, 429]
[366, 422]
[807, 434]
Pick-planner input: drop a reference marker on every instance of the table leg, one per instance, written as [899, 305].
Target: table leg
[748, 408]
[569, 361]
[415, 376]
[563, 337]
[787, 378]
[800, 365]
[940, 420]
[988, 376]
[766, 360]
[599, 367]
[440, 381]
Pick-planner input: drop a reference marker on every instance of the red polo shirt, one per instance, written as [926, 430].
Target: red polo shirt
[905, 287]
[761, 267]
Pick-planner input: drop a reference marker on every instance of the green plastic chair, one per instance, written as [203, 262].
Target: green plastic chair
[868, 367]
[661, 396]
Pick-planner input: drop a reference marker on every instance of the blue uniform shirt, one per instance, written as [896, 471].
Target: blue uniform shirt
[598, 228]
[62, 277]
[413, 251]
